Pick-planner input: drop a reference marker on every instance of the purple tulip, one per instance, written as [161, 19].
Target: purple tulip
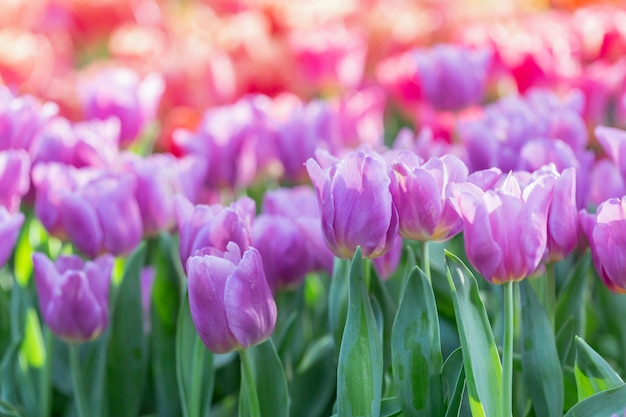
[606, 181]
[419, 195]
[606, 233]
[356, 204]
[284, 250]
[505, 229]
[159, 178]
[387, 264]
[14, 178]
[203, 226]
[74, 295]
[452, 77]
[95, 209]
[299, 204]
[613, 142]
[231, 303]
[10, 225]
[121, 93]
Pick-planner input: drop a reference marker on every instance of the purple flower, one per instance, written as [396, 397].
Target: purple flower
[203, 226]
[452, 77]
[419, 196]
[284, 250]
[74, 295]
[606, 233]
[10, 225]
[356, 204]
[14, 178]
[505, 229]
[231, 303]
[121, 93]
[387, 264]
[95, 209]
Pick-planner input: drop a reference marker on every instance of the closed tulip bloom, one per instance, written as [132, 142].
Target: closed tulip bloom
[14, 178]
[10, 225]
[356, 204]
[563, 221]
[505, 229]
[74, 295]
[231, 304]
[419, 195]
[606, 233]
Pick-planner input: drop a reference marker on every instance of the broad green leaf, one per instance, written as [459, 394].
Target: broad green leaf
[7, 372]
[415, 349]
[313, 385]
[390, 407]
[360, 368]
[602, 404]
[194, 366]
[571, 299]
[164, 306]
[614, 310]
[273, 398]
[338, 299]
[483, 369]
[8, 410]
[540, 360]
[387, 310]
[565, 340]
[593, 373]
[453, 379]
[127, 354]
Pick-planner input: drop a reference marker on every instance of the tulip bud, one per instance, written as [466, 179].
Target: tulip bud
[10, 225]
[356, 204]
[74, 295]
[230, 301]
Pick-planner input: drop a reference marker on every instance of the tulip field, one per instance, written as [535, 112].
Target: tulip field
[312, 208]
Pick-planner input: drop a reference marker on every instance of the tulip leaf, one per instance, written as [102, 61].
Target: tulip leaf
[571, 298]
[415, 349]
[387, 310]
[541, 367]
[194, 366]
[360, 368]
[127, 354]
[453, 381]
[338, 299]
[602, 404]
[7, 371]
[593, 373]
[8, 410]
[261, 364]
[390, 407]
[314, 382]
[164, 306]
[483, 369]
[565, 340]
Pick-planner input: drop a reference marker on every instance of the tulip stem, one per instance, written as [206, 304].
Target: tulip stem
[549, 301]
[248, 375]
[507, 351]
[77, 380]
[426, 260]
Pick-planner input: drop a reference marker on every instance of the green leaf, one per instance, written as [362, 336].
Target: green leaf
[565, 340]
[453, 379]
[338, 299]
[7, 371]
[593, 373]
[314, 382]
[483, 369]
[360, 368]
[194, 366]
[8, 410]
[127, 354]
[571, 299]
[387, 310]
[415, 349]
[602, 404]
[165, 304]
[265, 366]
[390, 407]
[540, 361]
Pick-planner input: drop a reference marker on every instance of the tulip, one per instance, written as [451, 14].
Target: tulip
[419, 195]
[505, 229]
[203, 226]
[74, 295]
[356, 204]
[230, 301]
[10, 225]
[387, 264]
[14, 178]
[121, 93]
[606, 233]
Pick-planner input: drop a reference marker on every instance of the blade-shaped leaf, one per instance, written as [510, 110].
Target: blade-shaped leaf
[571, 299]
[360, 368]
[540, 361]
[453, 378]
[605, 403]
[415, 349]
[483, 369]
[593, 373]
[194, 366]
[338, 299]
[127, 354]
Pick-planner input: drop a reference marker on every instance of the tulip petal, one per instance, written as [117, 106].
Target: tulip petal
[80, 221]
